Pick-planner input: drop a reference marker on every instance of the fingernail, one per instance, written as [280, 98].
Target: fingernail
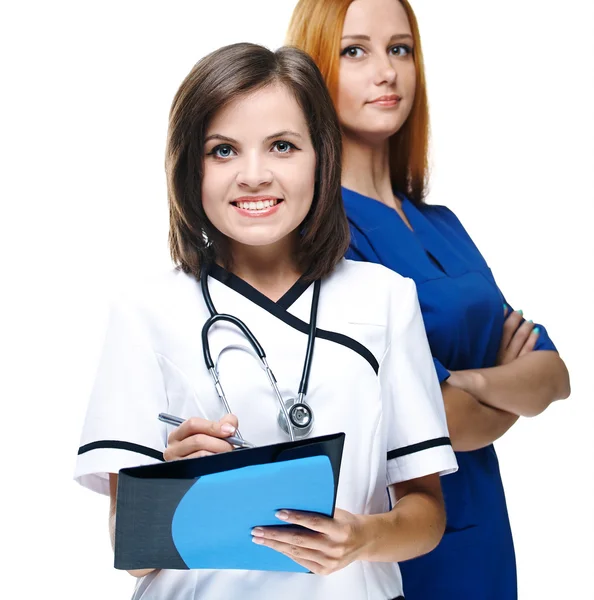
[283, 515]
[536, 330]
[520, 312]
[226, 428]
[531, 321]
[258, 531]
[257, 540]
[505, 308]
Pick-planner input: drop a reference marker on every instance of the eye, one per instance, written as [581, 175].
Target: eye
[401, 50]
[221, 151]
[352, 52]
[283, 147]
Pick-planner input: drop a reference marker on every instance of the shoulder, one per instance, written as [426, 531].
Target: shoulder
[369, 292]
[369, 278]
[156, 293]
[448, 222]
[441, 213]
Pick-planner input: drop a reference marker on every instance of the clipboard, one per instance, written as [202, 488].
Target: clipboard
[198, 513]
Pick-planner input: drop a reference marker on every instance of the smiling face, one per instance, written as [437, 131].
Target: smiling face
[259, 169]
[376, 86]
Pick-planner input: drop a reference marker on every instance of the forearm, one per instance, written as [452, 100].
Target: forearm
[412, 528]
[525, 386]
[472, 424]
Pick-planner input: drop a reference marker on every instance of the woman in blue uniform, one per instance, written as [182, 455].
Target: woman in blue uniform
[493, 365]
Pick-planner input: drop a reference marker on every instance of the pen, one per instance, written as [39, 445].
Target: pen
[235, 441]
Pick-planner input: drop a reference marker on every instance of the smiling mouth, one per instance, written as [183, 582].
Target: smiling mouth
[256, 204]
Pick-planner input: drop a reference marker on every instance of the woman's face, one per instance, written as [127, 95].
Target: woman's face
[259, 168]
[376, 87]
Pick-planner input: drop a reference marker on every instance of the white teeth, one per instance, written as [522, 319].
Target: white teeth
[258, 205]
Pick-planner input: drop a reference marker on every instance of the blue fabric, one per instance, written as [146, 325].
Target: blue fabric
[463, 313]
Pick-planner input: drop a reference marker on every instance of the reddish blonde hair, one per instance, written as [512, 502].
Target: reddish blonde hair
[316, 27]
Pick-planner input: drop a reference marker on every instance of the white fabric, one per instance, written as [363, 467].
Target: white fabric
[152, 362]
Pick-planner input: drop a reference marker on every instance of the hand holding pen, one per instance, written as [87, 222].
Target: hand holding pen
[196, 437]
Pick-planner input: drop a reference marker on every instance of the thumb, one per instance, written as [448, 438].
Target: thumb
[231, 420]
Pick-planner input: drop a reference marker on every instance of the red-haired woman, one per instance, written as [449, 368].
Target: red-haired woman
[493, 365]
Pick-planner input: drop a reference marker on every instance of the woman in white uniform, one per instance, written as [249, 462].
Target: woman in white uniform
[253, 166]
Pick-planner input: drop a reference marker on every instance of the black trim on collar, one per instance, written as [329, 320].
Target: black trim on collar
[443, 441]
[280, 312]
[122, 446]
[292, 295]
[249, 291]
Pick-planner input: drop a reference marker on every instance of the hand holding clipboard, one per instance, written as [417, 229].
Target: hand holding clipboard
[198, 513]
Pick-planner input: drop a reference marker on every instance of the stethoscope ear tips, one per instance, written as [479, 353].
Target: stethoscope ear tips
[300, 416]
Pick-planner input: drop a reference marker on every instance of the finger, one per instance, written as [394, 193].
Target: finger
[200, 454]
[198, 442]
[520, 338]
[170, 454]
[510, 325]
[197, 425]
[297, 553]
[312, 521]
[310, 565]
[293, 536]
[531, 342]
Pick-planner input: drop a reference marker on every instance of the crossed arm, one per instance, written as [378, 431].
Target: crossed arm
[482, 404]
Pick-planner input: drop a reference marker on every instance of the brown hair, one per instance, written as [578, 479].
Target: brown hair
[217, 79]
[316, 28]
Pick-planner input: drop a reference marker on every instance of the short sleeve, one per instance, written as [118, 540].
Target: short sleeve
[442, 372]
[121, 427]
[418, 438]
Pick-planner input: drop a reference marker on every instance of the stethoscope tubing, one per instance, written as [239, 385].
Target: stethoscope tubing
[216, 317]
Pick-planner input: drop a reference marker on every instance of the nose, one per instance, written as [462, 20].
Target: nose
[254, 172]
[385, 73]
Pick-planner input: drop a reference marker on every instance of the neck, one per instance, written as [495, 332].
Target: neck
[272, 270]
[366, 168]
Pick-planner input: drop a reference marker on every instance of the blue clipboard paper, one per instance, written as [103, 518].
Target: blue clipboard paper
[199, 513]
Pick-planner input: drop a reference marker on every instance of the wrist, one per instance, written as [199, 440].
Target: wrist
[372, 529]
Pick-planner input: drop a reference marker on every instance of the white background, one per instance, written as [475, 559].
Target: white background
[87, 89]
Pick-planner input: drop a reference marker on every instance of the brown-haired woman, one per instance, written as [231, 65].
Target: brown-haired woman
[493, 365]
[253, 167]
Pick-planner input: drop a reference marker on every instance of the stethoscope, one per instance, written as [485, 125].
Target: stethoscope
[295, 416]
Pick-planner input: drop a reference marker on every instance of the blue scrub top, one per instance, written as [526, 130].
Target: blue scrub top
[464, 315]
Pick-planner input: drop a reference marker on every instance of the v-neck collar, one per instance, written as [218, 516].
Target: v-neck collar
[251, 293]
[279, 310]
[371, 215]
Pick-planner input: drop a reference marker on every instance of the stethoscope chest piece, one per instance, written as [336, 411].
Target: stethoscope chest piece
[300, 416]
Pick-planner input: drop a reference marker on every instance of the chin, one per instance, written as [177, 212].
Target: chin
[257, 239]
[378, 131]
[378, 135]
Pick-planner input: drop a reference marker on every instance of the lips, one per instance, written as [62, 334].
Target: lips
[387, 99]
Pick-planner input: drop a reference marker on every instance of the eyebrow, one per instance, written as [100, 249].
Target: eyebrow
[224, 138]
[396, 36]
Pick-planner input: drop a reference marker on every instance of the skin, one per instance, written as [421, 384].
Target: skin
[377, 58]
[260, 162]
